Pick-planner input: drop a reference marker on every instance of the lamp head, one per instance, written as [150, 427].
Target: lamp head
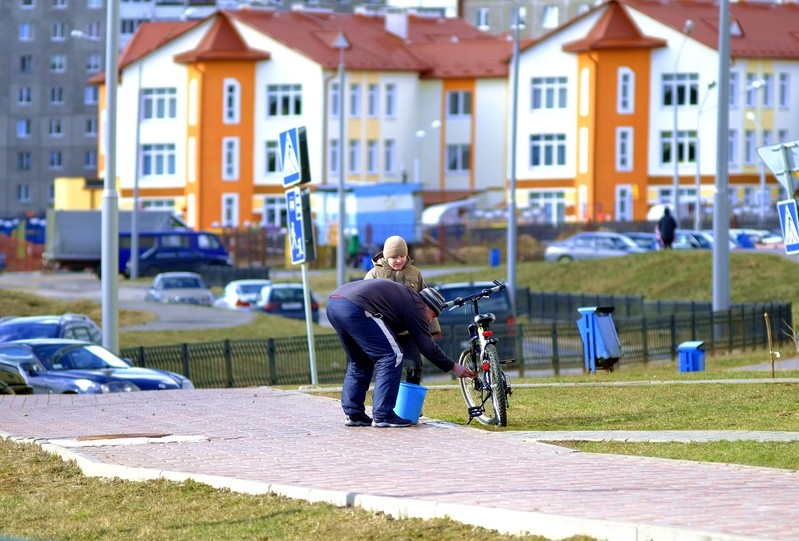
[689, 25]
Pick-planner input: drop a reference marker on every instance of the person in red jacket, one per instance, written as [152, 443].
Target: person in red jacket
[368, 315]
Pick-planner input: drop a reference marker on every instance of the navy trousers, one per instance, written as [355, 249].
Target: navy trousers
[372, 349]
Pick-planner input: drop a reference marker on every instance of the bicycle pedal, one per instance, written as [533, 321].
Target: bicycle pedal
[475, 411]
[507, 361]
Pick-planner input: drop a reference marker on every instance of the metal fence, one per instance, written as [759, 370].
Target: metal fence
[554, 346]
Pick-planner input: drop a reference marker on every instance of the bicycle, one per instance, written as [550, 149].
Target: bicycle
[491, 386]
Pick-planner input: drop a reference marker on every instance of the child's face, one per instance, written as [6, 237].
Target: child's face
[398, 262]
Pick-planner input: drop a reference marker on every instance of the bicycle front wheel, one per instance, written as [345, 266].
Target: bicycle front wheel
[478, 392]
[499, 398]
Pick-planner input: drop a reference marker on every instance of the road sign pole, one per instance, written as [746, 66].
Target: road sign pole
[309, 323]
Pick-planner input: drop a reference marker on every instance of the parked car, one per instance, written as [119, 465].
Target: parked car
[241, 294]
[287, 300]
[60, 366]
[177, 258]
[647, 241]
[72, 326]
[179, 288]
[591, 245]
[2, 261]
[691, 239]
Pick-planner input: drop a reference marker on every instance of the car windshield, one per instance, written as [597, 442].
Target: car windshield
[182, 283]
[77, 357]
[24, 331]
[250, 289]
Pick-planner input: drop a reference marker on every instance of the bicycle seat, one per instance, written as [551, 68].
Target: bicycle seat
[482, 319]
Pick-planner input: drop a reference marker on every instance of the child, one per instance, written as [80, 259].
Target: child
[393, 263]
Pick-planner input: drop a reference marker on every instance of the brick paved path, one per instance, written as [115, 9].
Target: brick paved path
[260, 440]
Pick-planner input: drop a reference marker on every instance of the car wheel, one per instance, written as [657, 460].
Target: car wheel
[564, 259]
[5, 389]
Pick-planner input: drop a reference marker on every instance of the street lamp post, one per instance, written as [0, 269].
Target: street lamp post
[689, 24]
[341, 44]
[512, 229]
[762, 191]
[698, 211]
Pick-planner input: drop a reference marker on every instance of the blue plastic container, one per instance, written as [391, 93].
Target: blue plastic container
[691, 356]
[409, 401]
[493, 257]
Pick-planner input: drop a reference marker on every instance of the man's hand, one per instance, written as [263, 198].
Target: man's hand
[463, 372]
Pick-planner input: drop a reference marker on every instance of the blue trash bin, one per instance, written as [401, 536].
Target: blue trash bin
[691, 356]
[601, 345]
[493, 257]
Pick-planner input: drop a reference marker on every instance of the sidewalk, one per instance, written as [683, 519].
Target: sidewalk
[260, 440]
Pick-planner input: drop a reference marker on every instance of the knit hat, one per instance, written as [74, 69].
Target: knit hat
[394, 247]
[433, 299]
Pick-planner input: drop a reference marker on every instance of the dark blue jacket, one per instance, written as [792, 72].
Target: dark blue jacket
[402, 309]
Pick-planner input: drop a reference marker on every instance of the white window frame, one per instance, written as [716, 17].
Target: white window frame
[751, 89]
[23, 193]
[56, 95]
[372, 156]
[459, 158]
[26, 32]
[25, 96]
[735, 85]
[158, 160]
[784, 90]
[91, 95]
[548, 93]
[58, 63]
[27, 4]
[159, 104]
[547, 149]
[94, 4]
[272, 157]
[768, 90]
[274, 213]
[373, 101]
[389, 156]
[355, 100]
[93, 30]
[482, 19]
[624, 148]
[682, 86]
[230, 210]
[335, 100]
[23, 128]
[283, 100]
[625, 99]
[230, 158]
[686, 147]
[459, 103]
[55, 128]
[24, 160]
[391, 100]
[750, 144]
[58, 31]
[90, 160]
[733, 148]
[354, 152]
[94, 63]
[623, 203]
[550, 17]
[231, 101]
[333, 149]
[59, 4]
[55, 160]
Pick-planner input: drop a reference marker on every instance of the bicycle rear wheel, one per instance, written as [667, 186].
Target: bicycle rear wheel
[499, 398]
[479, 391]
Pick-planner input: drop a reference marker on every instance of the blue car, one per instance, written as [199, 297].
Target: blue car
[61, 366]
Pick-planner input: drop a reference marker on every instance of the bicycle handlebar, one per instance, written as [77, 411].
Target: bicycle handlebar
[460, 301]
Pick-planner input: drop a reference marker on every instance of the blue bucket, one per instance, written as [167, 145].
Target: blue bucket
[409, 401]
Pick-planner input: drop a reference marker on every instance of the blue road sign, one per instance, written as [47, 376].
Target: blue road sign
[290, 157]
[295, 229]
[789, 224]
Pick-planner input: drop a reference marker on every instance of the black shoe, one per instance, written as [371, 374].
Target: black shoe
[358, 419]
[393, 421]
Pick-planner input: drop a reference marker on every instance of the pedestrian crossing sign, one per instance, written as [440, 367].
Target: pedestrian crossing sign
[790, 225]
[294, 157]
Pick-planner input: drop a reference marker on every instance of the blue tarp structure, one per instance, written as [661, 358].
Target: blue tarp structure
[33, 228]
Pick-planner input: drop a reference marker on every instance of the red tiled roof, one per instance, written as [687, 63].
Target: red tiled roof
[467, 59]
[222, 42]
[767, 28]
[614, 30]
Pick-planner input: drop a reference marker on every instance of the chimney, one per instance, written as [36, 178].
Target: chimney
[397, 22]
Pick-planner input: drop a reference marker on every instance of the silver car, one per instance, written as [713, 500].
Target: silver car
[179, 288]
[241, 294]
[591, 245]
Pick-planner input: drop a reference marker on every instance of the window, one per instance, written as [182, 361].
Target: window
[355, 100]
[24, 161]
[283, 100]
[91, 95]
[459, 158]
[391, 100]
[625, 100]
[230, 210]
[23, 128]
[27, 4]
[232, 103]
[93, 30]
[23, 193]
[518, 17]
[355, 154]
[272, 157]
[59, 4]
[333, 156]
[481, 19]
[90, 160]
[784, 90]
[55, 160]
[93, 63]
[624, 149]
[335, 99]
[274, 212]
[371, 156]
[680, 89]
[549, 92]
[56, 129]
[768, 90]
[25, 95]
[230, 158]
[58, 31]
[26, 63]
[58, 63]
[94, 4]
[373, 100]
[25, 32]
[389, 156]
[459, 103]
[158, 160]
[128, 26]
[550, 17]
[751, 89]
[547, 149]
[686, 147]
[733, 150]
[782, 135]
[56, 95]
[549, 205]
[750, 144]
[159, 103]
